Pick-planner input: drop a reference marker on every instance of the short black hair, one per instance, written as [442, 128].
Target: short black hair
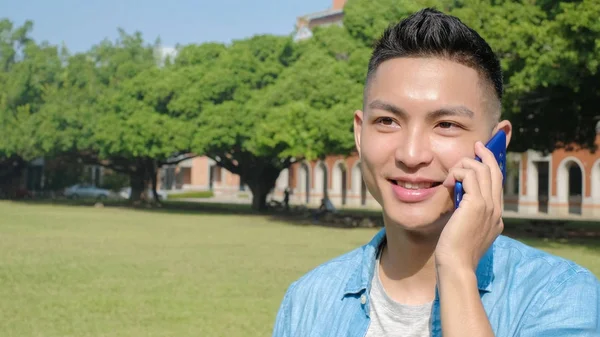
[431, 33]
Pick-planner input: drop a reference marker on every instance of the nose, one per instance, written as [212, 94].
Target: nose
[414, 150]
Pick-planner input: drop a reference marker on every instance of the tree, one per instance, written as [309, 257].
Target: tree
[110, 109]
[549, 52]
[194, 54]
[366, 20]
[558, 105]
[135, 131]
[26, 69]
[266, 103]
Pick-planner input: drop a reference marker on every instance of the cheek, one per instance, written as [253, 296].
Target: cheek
[378, 148]
[451, 150]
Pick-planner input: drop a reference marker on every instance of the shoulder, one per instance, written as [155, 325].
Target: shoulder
[517, 254]
[317, 295]
[553, 292]
[540, 270]
[331, 280]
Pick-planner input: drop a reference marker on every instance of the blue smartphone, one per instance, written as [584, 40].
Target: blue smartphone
[497, 145]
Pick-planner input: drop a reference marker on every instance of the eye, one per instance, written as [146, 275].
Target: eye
[386, 121]
[448, 125]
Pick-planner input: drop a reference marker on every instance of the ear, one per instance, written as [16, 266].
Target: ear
[505, 126]
[358, 122]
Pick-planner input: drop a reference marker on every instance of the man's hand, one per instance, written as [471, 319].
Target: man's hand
[478, 220]
[467, 236]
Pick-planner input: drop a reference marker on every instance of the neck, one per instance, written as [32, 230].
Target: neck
[407, 269]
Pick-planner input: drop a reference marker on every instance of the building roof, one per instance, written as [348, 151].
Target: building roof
[304, 23]
[322, 14]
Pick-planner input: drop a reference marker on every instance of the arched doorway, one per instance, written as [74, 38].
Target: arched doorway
[596, 182]
[321, 180]
[304, 182]
[344, 180]
[575, 188]
[339, 180]
[358, 185]
[570, 185]
[543, 178]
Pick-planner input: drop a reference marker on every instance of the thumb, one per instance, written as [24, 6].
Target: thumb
[449, 181]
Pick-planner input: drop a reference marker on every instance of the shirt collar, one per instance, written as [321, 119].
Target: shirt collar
[360, 280]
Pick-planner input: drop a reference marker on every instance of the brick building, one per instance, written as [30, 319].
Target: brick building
[560, 183]
[331, 16]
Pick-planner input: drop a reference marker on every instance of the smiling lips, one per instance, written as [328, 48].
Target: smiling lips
[413, 191]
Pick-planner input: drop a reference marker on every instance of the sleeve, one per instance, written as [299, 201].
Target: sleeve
[569, 308]
[282, 327]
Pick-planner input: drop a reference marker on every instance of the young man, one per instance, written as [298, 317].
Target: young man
[432, 99]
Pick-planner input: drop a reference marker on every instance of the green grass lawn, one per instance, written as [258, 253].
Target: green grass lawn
[83, 271]
[191, 194]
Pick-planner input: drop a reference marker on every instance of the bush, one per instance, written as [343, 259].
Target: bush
[115, 181]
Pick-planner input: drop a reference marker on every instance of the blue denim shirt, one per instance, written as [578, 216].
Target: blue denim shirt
[525, 292]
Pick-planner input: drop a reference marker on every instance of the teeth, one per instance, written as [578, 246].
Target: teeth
[414, 186]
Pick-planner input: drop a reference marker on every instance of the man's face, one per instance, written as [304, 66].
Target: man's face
[422, 116]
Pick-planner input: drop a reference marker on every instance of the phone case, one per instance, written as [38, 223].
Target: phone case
[497, 145]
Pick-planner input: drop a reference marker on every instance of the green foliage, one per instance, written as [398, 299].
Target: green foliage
[308, 113]
[115, 181]
[366, 20]
[133, 122]
[550, 55]
[26, 70]
[259, 104]
[205, 54]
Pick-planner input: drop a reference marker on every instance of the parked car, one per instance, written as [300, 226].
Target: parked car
[125, 193]
[86, 191]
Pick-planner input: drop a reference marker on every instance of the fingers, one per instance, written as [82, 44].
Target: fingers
[469, 179]
[483, 175]
[488, 158]
[481, 180]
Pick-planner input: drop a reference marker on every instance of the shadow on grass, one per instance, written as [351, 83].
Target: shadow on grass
[168, 207]
[539, 232]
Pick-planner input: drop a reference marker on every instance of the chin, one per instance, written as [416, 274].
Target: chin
[424, 216]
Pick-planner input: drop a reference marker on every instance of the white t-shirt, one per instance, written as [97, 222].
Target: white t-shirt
[390, 318]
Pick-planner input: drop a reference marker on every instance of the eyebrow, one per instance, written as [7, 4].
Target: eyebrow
[458, 110]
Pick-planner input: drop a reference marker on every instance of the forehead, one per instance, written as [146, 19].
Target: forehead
[427, 83]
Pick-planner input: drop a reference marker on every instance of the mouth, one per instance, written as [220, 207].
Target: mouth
[422, 185]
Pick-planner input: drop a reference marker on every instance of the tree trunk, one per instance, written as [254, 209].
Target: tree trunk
[259, 196]
[11, 170]
[260, 185]
[259, 173]
[138, 185]
[154, 182]
[143, 177]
